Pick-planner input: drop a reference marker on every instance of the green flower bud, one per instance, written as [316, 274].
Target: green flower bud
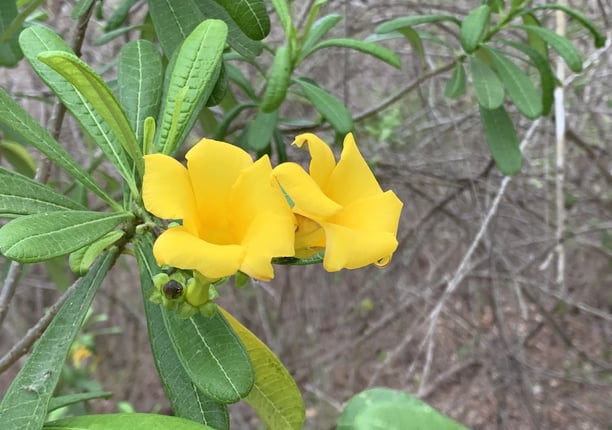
[208, 309]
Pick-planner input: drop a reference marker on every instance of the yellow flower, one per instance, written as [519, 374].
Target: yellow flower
[234, 217]
[340, 207]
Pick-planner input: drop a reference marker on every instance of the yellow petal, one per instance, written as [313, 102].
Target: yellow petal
[254, 192]
[178, 248]
[213, 168]
[377, 213]
[322, 158]
[352, 178]
[307, 197]
[309, 237]
[350, 249]
[166, 189]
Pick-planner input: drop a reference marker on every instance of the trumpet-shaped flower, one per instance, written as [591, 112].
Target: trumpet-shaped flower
[340, 207]
[234, 217]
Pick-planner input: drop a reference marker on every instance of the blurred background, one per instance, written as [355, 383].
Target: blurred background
[502, 339]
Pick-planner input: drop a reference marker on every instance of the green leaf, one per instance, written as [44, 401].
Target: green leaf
[229, 117]
[316, 32]
[502, 140]
[42, 236]
[564, 47]
[219, 91]
[126, 421]
[38, 39]
[598, 37]
[24, 406]
[261, 129]
[71, 399]
[10, 54]
[332, 109]
[101, 98]
[279, 79]
[386, 409]
[377, 51]
[284, 15]
[235, 75]
[250, 15]
[212, 355]
[191, 82]
[112, 35]
[18, 157]
[119, 15]
[415, 41]
[81, 260]
[19, 122]
[518, 85]
[547, 78]
[80, 8]
[455, 87]
[398, 24]
[534, 40]
[173, 20]
[489, 89]
[275, 396]
[140, 83]
[20, 195]
[186, 399]
[473, 28]
[236, 38]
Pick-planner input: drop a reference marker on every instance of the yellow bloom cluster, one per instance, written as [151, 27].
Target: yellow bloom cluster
[235, 215]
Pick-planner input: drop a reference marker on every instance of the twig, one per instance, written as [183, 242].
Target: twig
[43, 171]
[23, 346]
[461, 271]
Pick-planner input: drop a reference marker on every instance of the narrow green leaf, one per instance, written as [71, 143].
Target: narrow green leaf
[414, 38]
[80, 8]
[10, 54]
[19, 122]
[192, 77]
[186, 399]
[279, 79]
[118, 32]
[261, 129]
[212, 355]
[140, 83]
[219, 91]
[332, 109]
[455, 87]
[377, 51]
[71, 399]
[383, 408]
[284, 15]
[173, 20]
[564, 47]
[489, 89]
[229, 117]
[119, 15]
[410, 21]
[473, 28]
[598, 37]
[236, 38]
[316, 32]
[518, 85]
[81, 260]
[126, 421]
[38, 39]
[275, 396]
[24, 406]
[502, 140]
[20, 195]
[547, 78]
[250, 15]
[533, 39]
[42, 236]
[18, 157]
[101, 98]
